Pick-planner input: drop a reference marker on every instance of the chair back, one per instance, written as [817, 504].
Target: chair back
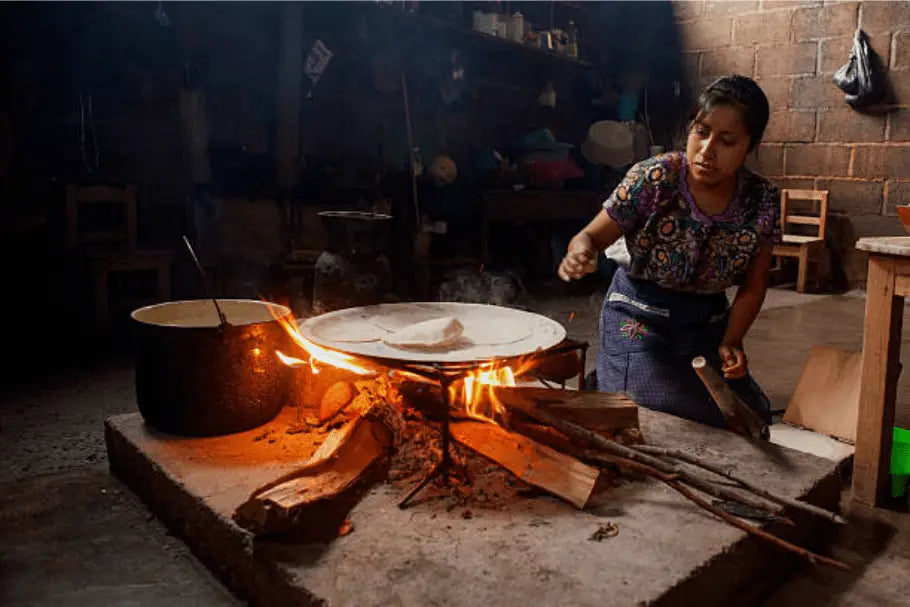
[816, 215]
[101, 215]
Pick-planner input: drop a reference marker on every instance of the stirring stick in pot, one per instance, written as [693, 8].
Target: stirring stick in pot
[221, 317]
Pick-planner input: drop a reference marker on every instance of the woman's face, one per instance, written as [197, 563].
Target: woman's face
[717, 146]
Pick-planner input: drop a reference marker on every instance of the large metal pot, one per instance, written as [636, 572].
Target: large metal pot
[195, 378]
[356, 234]
[353, 270]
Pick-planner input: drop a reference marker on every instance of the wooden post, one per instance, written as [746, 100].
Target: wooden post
[878, 390]
[290, 75]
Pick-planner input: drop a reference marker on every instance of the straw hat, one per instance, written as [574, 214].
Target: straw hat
[610, 143]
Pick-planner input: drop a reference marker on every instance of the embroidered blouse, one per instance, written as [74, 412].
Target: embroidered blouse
[673, 243]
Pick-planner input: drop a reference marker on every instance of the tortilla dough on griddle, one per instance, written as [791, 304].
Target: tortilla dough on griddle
[429, 334]
[351, 331]
[494, 331]
[402, 316]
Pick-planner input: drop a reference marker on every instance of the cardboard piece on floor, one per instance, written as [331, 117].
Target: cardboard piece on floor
[826, 399]
[813, 443]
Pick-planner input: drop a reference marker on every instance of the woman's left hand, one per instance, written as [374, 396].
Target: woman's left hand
[735, 365]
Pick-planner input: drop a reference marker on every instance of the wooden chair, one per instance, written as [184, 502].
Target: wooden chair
[807, 248]
[111, 247]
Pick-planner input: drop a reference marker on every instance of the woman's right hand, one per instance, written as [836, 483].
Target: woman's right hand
[580, 259]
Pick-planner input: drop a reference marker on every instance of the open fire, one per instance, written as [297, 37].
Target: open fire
[475, 393]
[566, 443]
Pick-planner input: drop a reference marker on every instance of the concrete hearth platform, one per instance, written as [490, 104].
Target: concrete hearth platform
[533, 551]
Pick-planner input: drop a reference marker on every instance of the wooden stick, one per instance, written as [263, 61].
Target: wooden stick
[774, 497]
[614, 448]
[673, 481]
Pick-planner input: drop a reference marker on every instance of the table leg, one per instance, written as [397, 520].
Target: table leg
[878, 388]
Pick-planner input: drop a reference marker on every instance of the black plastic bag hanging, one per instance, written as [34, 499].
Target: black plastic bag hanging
[860, 77]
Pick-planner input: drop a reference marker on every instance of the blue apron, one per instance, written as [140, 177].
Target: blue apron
[648, 338]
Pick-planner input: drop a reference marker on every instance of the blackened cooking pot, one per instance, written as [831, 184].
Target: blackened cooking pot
[195, 378]
[355, 234]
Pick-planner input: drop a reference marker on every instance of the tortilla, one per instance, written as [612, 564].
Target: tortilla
[494, 331]
[429, 334]
[397, 317]
[350, 331]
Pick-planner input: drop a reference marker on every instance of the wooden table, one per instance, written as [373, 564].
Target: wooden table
[887, 284]
[537, 206]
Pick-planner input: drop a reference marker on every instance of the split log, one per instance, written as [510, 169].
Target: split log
[536, 464]
[311, 503]
[601, 412]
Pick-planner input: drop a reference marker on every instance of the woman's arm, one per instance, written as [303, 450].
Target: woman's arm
[602, 230]
[745, 308]
[581, 256]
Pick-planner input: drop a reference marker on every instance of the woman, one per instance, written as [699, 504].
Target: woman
[694, 223]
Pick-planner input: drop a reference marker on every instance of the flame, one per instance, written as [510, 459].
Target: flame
[571, 316]
[477, 392]
[317, 353]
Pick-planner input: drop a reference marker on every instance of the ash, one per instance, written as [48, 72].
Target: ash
[475, 482]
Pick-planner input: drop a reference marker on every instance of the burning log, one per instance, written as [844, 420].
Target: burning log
[534, 463]
[312, 503]
[334, 400]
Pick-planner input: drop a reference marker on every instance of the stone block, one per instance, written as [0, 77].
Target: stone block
[855, 197]
[786, 59]
[884, 16]
[777, 89]
[896, 193]
[816, 92]
[767, 160]
[523, 551]
[901, 58]
[732, 60]
[882, 161]
[826, 21]
[791, 126]
[716, 8]
[686, 10]
[706, 33]
[899, 125]
[762, 28]
[814, 159]
[848, 125]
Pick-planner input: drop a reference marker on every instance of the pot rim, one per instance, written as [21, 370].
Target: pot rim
[367, 215]
[283, 312]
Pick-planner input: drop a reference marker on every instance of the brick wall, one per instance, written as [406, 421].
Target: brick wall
[814, 139]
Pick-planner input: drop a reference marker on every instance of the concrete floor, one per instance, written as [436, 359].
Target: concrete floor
[72, 535]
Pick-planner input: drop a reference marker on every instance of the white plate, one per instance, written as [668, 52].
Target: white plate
[525, 334]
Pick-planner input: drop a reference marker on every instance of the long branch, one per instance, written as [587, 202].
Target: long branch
[774, 497]
[673, 481]
[702, 484]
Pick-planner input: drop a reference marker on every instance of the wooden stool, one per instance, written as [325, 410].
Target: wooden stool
[805, 248]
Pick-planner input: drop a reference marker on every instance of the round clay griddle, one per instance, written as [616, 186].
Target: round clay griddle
[489, 331]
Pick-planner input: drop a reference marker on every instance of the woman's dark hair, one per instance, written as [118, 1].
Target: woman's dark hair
[739, 92]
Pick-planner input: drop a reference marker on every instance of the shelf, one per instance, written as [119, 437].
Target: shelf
[487, 39]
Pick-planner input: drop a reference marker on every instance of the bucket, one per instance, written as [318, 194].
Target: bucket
[900, 461]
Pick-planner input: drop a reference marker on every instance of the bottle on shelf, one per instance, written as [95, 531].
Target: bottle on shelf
[572, 40]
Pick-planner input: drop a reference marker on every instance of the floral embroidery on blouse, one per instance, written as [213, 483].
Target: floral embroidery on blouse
[673, 243]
